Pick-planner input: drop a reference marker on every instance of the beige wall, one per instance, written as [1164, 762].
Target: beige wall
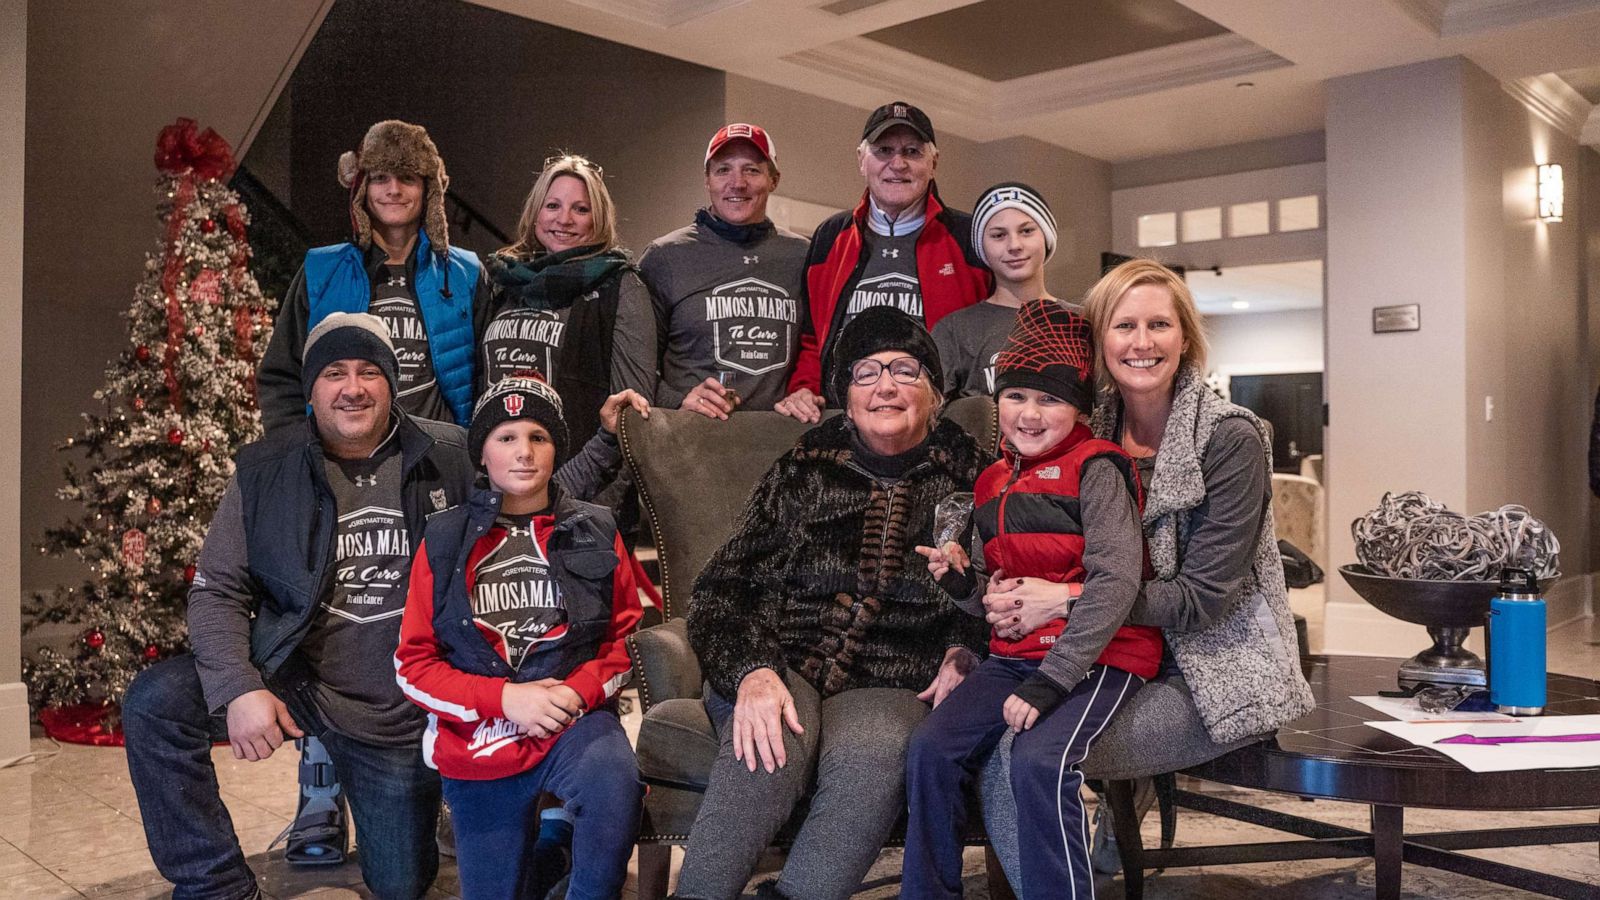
[816, 146]
[13, 90]
[1272, 153]
[103, 79]
[1430, 176]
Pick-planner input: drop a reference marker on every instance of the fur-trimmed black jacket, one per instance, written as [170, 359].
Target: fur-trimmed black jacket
[821, 575]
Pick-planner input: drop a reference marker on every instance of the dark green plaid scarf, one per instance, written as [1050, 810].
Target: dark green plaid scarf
[554, 280]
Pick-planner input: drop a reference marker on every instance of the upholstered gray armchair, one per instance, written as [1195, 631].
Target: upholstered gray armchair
[694, 475]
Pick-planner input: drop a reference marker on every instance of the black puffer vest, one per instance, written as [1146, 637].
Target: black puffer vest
[290, 517]
[583, 558]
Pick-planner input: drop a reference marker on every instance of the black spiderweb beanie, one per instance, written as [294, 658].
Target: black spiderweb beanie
[1050, 349]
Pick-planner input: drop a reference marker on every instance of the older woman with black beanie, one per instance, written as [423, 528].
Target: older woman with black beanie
[817, 625]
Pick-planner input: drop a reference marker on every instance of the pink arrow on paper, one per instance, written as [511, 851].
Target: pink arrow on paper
[1519, 739]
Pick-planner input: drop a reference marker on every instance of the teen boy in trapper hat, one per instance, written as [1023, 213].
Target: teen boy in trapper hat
[398, 265]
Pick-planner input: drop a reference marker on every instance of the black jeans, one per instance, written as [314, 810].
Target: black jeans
[393, 795]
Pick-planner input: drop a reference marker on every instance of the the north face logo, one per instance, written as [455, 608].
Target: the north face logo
[1050, 472]
[513, 404]
[947, 269]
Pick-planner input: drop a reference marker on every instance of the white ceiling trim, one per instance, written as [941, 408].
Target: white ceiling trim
[892, 70]
[661, 13]
[1451, 18]
[1556, 102]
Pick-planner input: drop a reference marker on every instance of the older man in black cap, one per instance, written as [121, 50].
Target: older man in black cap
[901, 247]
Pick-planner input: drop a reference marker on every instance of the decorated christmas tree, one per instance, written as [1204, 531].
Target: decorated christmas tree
[152, 461]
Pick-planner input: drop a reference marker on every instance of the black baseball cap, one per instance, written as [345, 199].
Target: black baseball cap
[899, 112]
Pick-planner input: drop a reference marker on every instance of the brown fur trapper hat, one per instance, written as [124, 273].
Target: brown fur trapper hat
[401, 148]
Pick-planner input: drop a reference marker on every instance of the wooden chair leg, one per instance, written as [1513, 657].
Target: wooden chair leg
[999, 887]
[655, 867]
[1130, 846]
[1167, 801]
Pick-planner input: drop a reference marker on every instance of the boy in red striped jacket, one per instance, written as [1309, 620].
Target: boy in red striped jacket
[512, 640]
[1059, 520]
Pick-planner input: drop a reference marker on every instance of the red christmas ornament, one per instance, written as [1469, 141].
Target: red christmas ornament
[153, 507]
[198, 331]
[205, 446]
[152, 652]
[175, 437]
[133, 547]
[206, 287]
[142, 353]
[95, 639]
[208, 225]
[138, 403]
[188, 574]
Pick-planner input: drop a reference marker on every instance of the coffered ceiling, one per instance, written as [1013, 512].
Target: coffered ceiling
[1113, 79]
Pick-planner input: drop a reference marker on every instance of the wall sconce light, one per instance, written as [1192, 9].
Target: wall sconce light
[1550, 192]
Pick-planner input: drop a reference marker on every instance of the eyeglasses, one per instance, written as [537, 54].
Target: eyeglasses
[577, 162]
[904, 369]
[887, 152]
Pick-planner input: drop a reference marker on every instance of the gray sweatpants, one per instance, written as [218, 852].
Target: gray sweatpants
[853, 752]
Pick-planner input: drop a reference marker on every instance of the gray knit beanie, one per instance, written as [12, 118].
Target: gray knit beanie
[345, 335]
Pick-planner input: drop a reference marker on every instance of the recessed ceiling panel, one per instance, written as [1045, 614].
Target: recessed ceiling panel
[1004, 39]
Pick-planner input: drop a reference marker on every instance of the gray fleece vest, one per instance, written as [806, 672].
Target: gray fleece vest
[1244, 669]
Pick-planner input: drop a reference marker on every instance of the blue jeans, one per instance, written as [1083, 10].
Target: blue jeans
[593, 770]
[955, 741]
[393, 795]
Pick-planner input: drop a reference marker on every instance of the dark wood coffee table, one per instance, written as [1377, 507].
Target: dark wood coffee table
[1330, 754]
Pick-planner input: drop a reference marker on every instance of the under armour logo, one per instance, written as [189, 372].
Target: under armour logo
[514, 531]
[367, 480]
[397, 281]
[749, 260]
[892, 254]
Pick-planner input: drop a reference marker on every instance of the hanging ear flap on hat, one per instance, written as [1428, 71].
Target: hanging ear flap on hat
[352, 176]
[435, 222]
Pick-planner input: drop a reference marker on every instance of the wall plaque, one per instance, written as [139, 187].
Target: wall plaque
[1396, 318]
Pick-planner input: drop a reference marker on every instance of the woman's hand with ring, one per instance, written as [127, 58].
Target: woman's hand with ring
[710, 398]
[1017, 606]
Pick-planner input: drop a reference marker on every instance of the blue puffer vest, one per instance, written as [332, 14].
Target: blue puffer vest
[582, 558]
[336, 281]
[290, 514]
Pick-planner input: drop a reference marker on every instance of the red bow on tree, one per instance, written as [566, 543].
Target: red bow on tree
[181, 148]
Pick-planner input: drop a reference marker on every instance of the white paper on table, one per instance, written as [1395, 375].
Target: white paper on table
[1507, 757]
[1406, 709]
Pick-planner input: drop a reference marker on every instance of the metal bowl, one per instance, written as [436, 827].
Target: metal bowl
[1441, 604]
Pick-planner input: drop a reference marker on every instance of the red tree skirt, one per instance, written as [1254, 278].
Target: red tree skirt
[82, 723]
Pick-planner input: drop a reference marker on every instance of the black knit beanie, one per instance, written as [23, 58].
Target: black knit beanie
[343, 335]
[874, 329]
[1050, 349]
[517, 396]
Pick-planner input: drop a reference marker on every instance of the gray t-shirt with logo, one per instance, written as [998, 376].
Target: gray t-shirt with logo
[393, 302]
[890, 277]
[359, 619]
[726, 310]
[516, 602]
[969, 339]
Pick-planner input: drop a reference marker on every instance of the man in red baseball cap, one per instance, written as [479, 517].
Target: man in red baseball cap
[727, 287]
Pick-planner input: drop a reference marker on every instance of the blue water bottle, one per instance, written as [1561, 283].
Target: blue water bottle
[1516, 645]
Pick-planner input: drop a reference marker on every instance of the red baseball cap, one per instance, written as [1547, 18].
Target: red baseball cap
[740, 131]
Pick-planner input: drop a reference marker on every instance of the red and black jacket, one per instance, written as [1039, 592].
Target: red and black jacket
[948, 273]
[449, 667]
[1028, 516]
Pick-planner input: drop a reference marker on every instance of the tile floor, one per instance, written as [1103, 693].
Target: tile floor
[69, 827]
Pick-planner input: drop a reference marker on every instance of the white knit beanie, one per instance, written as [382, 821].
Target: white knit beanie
[1018, 196]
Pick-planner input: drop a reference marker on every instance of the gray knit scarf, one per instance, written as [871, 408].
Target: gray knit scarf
[1243, 669]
